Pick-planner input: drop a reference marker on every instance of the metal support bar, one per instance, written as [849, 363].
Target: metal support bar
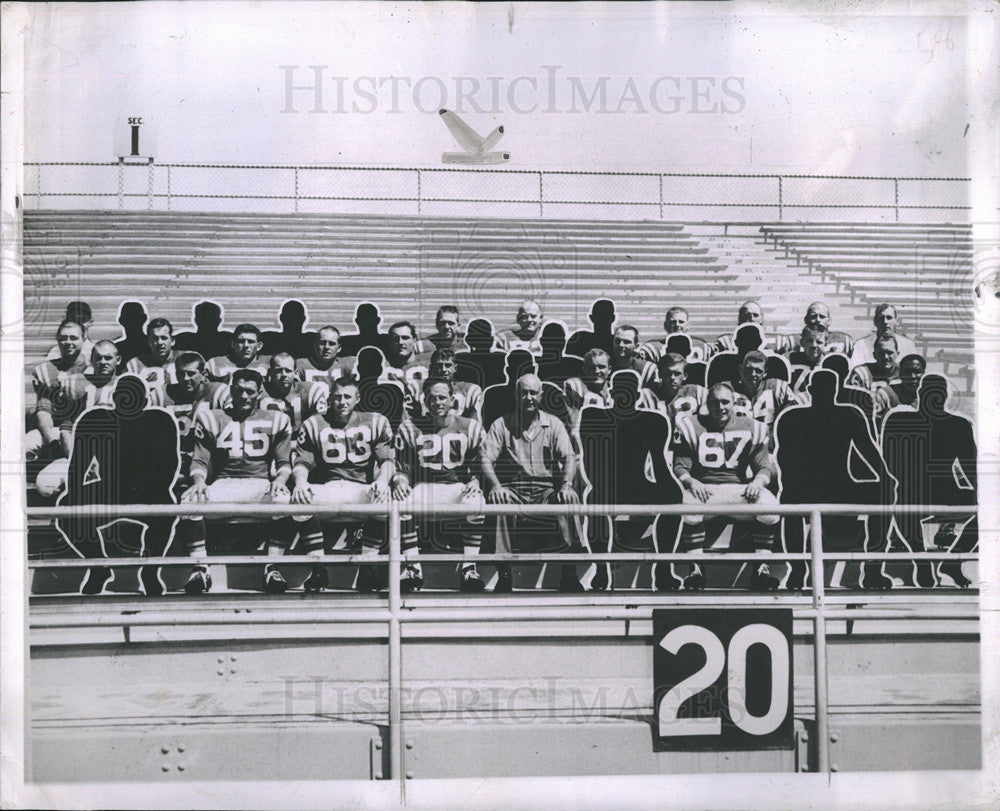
[819, 644]
[395, 653]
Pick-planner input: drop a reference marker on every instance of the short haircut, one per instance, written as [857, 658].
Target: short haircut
[401, 324]
[247, 374]
[443, 354]
[244, 328]
[281, 356]
[753, 356]
[105, 343]
[343, 381]
[633, 329]
[187, 358]
[321, 330]
[887, 339]
[881, 308]
[673, 310]
[594, 354]
[809, 332]
[433, 381]
[450, 309]
[670, 360]
[69, 322]
[159, 323]
[720, 387]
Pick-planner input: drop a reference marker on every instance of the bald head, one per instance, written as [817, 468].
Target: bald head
[529, 395]
[529, 317]
[817, 316]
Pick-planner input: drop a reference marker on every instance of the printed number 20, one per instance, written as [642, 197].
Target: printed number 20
[715, 661]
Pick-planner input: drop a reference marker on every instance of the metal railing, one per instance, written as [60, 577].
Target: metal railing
[491, 192]
[813, 607]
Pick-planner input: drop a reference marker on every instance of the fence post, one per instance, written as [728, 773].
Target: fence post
[819, 644]
[395, 653]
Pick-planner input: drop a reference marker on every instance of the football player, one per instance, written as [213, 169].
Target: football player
[818, 317]
[675, 322]
[723, 458]
[883, 371]
[324, 362]
[623, 355]
[448, 326]
[79, 313]
[904, 391]
[244, 353]
[156, 364]
[437, 462]
[527, 334]
[468, 396]
[758, 396]
[235, 451]
[809, 355]
[344, 456]
[750, 312]
[670, 395]
[47, 380]
[406, 362]
[886, 326]
[283, 391]
[593, 389]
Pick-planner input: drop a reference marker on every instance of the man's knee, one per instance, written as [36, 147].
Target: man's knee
[51, 480]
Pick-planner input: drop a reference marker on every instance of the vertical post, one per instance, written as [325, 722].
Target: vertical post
[121, 183]
[296, 189]
[819, 644]
[395, 653]
[419, 195]
[780, 202]
[541, 209]
[38, 184]
[661, 196]
[149, 186]
[168, 187]
[895, 186]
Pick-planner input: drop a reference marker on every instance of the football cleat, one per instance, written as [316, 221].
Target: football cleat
[872, 578]
[695, 581]
[505, 582]
[763, 580]
[318, 579]
[199, 582]
[412, 579]
[945, 536]
[95, 581]
[472, 583]
[274, 583]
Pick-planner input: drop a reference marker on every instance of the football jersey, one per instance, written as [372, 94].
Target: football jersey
[767, 403]
[870, 376]
[652, 351]
[892, 395]
[468, 400]
[85, 349]
[76, 393]
[690, 399]
[221, 368]
[350, 453]
[411, 376]
[302, 401]
[308, 372]
[50, 376]
[730, 455]
[508, 340]
[227, 448]
[773, 344]
[646, 370]
[172, 399]
[446, 455]
[156, 376]
[800, 369]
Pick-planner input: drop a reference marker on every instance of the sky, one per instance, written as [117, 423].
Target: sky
[686, 88]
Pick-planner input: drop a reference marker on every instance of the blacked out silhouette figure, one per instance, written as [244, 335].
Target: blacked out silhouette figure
[125, 455]
[502, 398]
[553, 365]
[291, 339]
[932, 453]
[132, 316]
[725, 366]
[381, 397]
[820, 449]
[602, 316]
[207, 339]
[695, 372]
[480, 365]
[367, 318]
[621, 447]
[862, 398]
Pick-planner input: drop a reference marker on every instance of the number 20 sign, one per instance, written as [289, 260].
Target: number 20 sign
[722, 679]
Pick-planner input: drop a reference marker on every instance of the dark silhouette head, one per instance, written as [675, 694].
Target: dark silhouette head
[130, 396]
[553, 339]
[679, 344]
[748, 338]
[933, 395]
[293, 316]
[602, 314]
[132, 316]
[839, 365]
[207, 316]
[479, 335]
[79, 311]
[624, 391]
[367, 318]
[370, 363]
[519, 363]
[823, 386]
